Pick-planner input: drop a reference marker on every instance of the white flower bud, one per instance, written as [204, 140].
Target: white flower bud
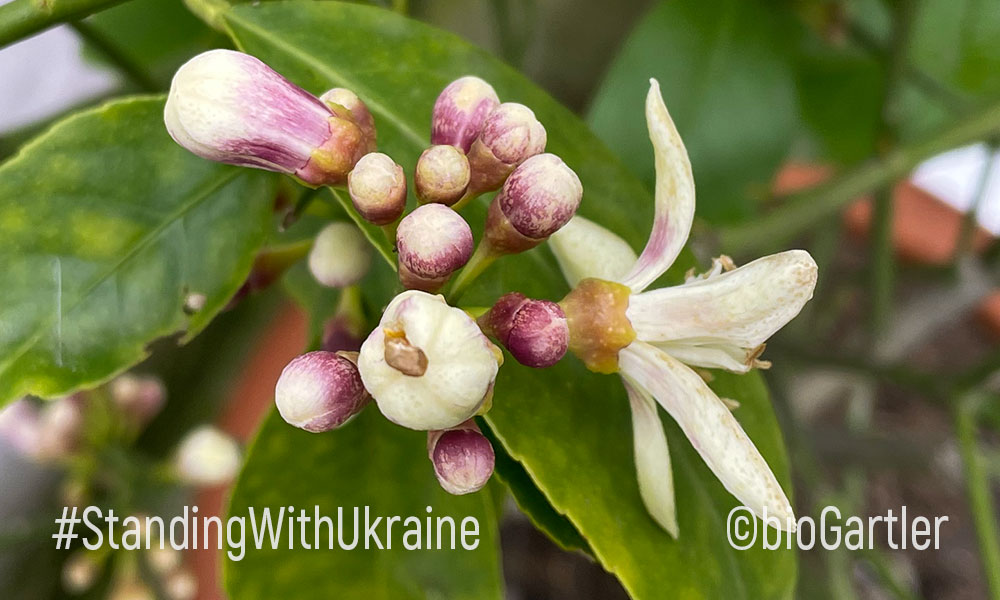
[511, 134]
[460, 111]
[340, 256]
[359, 113]
[207, 457]
[441, 175]
[377, 187]
[427, 365]
[319, 391]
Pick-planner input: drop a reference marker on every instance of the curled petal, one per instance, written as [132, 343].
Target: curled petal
[742, 307]
[585, 249]
[674, 210]
[652, 459]
[712, 356]
[713, 430]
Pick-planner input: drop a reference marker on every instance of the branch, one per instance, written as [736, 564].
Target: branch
[812, 207]
[21, 18]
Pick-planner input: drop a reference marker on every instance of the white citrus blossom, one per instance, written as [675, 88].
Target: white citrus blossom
[718, 320]
[428, 365]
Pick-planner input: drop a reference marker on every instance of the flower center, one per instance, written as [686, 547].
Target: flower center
[598, 327]
[404, 357]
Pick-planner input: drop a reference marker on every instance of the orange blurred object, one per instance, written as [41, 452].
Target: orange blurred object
[248, 403]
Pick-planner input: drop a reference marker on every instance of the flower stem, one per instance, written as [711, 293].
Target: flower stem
[464, 201]
[21, 18]
[482, 258]
[807, 209]
[978, 489]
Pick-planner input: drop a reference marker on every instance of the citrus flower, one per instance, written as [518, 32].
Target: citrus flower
[652, 339]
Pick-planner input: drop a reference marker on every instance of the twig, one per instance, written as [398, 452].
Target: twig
[21, 18]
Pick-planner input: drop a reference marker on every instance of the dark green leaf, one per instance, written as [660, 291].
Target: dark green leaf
[367, 463]
[728, 82]
[106, 225]
[568, 428]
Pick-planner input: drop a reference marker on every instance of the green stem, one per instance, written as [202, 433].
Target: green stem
[131, 69]
[978, 489]
[482, 258]
[964, 243]
[464, 201]
[883, 267]
[21, 18]
[807, 209]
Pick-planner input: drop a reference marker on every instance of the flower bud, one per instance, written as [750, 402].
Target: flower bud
[537, 199]
[433, 241]
[428, 365]
[535, 332]
[207, 457]
[377, 187]
[80, 572]
[442, 175]
[230, 107]
[463, 458]
[139, 398]
[20, 427]
[320, 391]
[61, 424]
[511, 134]
[357, 110]
[461, 110]
[180, 585]
[340, 256]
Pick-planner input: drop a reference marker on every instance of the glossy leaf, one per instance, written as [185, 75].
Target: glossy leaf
[367, 463]
[566, 427]
[106, 226]
[727, 78]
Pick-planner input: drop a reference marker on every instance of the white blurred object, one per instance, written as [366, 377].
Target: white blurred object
[207, 457]
[955, 178]
[44, 75]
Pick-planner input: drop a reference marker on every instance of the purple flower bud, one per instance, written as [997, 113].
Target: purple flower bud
[537, 199]
[320, 391]
[433, 241]
[140, 398]
[511, 134]
[442, 175]
[357, 110]
[460, 111]
[230, 107]
[377, 187]
[340, 256]
[463, 458]
[535, 332]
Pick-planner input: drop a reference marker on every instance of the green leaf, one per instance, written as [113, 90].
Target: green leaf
[367, 463]
[568, 428]
[728, 82]
[106, 225]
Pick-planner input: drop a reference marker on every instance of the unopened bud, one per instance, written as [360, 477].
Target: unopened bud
[537, 199]
[441, 175]
[340, 256]
[230, 107]
[207, 457]
[428, 365]
[180, 585]
[80, 572]
[463, 458]
[320, 391]
[139, 398]
[433, 241]
[377, 187]
[356, 108]
[461, 110]
[60, 427]
[511, 134]
[535, 332]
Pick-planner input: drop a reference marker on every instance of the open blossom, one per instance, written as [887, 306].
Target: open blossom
[427, 365]
[653, 338]
[230, 107]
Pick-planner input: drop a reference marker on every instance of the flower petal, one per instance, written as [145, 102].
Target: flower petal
[674, 210]
[652, 459]
[742, 307]
[586, 249]
[710, 356]
[713, 430]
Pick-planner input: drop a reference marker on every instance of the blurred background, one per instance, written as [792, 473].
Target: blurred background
[861, 130]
